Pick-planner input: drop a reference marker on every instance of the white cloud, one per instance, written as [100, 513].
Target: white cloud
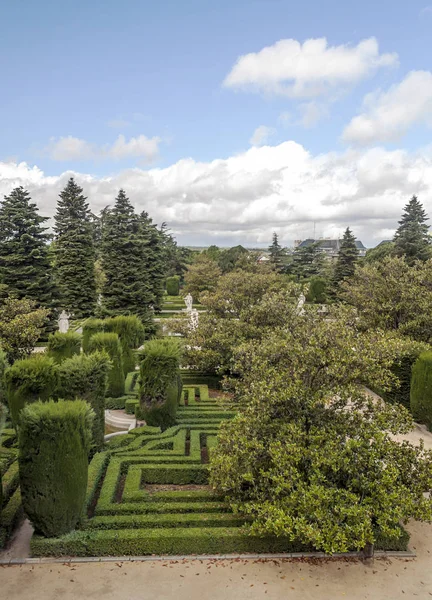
[72, 148]
[261, 135]
[388, 115]
[309, 69]
[244, 198]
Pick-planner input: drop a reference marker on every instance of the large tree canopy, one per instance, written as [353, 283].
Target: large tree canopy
[412, 238]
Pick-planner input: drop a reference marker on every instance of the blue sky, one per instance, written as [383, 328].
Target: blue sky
[100, 88]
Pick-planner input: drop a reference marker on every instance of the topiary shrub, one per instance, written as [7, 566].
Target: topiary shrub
[110, 342]
[160, 383]
[131, 333]
[29, 380]
[54, 440]
[64, 345]
[173, 286]
[317, 290]
[85, 377]
[90, 327]
[421, 389]
[3, 366]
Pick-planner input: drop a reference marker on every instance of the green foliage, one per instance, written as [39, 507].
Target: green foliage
[173, 285]
[131, 333]
[64, 345]
[74, 252]
[110, 343]
[201, 276]
[155, 258]
[85, 377]
[308, 261]
[421, 389]
[24, 263]
[228, 259]
[347, 258]
[29, 380]
[3, 365]
[412, 239]
[116, 403]
[379, 252]
[21, 325]
[90, 327]
[317, 290]
[277, 253]
[160, 383]
[54, 442]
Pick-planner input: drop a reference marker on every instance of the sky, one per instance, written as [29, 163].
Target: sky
[227, 120]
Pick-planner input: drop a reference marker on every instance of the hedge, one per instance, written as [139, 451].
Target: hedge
[131, 405]
[90, 327]
[421, 389]
[63, 345]
[54, 441]
[29, 380]
[85, 377]
[317, 290]
[163, 520]
[131, 333]
[116, 403]
[9, 517]
[110, 343]
[173, 286]
[160, 382]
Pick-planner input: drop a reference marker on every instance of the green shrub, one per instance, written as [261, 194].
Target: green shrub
[90, 327]
[3, 366]
[131, 333]
[54, 441]
[317, 290]
[116, 403]
[160, 382]
[85, 377]
[130, 406]
[29, 380]
[64, 345]
[421, 389]
[173, 286]
[110, 343]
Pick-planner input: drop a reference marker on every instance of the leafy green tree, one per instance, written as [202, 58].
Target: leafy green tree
[379, 252]
[21, 324]
[276, 252]
[201, 276]
[412, 238]
[212, 252]
[24, 263]
[347, 258]
[125, 255]
[310, 455]
[75, 252]
[228, 258]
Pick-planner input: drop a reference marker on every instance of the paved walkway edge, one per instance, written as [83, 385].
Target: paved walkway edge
[93, 559]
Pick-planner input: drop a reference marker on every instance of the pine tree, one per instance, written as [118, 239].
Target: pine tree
[276, 253]
[155, 259]
[347, 258]
[125, 252]
[24, 262]
[412, 239]
[308, 261]
[74, 252]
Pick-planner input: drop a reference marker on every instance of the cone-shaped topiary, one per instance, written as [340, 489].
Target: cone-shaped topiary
[64, 345]
[29, 380]
[85, 376]
[421, 389]
[173, 285]
[90, 327]
[54, 441]
[131, 333]
[160, 382]
[110, 342]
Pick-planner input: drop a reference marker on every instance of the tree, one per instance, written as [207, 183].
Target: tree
[347, 258]
[228, 258]
[310, 455]
[308, 261]
[125, 256]
[412, 238]
[392, 295]
[21, 324]
[276, 253]
[24, 263]
[201, 276]
[75, 252]
[379, 252]
[155, 263]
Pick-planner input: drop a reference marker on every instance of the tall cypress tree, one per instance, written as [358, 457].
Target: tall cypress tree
[276, 252]
[24, 263]
[125, 242]
[347, 257]
[75, 252]
[412, 238]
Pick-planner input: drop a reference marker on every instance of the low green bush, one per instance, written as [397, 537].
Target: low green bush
[421, 389]
[130, 405]
[110, 343]
[54, 441]
[90, 327]
[131, 333]
[63, 345]
[317, 290]
[173, 286]
[29, 380]
[116, 403]
[10, 515]
[85, 377]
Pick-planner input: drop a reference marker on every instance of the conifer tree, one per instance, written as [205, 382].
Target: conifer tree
[347, 258]
[74, 252]
[125, 252]
[155, 259]
[24, 263]
[276, 252]
[412, 239]
[308, 261]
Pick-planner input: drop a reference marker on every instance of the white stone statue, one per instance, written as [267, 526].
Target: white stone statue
[194, 319]
[188, 301]
[63, 322]
[301, 301]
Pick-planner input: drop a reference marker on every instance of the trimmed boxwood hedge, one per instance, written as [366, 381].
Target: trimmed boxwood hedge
[173, 285]
[421, 389]
[110, 343]
[64, 345]
[90, 327]
[131, 333]
[54, 441]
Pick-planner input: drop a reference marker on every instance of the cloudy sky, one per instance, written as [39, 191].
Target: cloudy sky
[228, 120]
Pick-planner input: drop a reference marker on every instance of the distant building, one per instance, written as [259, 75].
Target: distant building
[330, 247]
